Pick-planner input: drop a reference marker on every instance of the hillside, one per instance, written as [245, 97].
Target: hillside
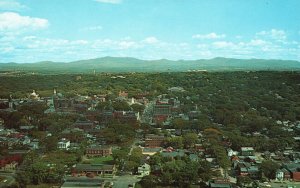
[126, 64]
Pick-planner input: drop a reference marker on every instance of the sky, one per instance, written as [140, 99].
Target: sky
[69, 30]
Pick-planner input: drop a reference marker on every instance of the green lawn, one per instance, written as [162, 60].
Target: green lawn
[44, 185]
[101, 160]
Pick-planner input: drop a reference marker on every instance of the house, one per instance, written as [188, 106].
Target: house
[162, 108]
[144, 170]
[247, 151]
[84, 125]
[151, 151]
[154, 141]
[173, 154]
[294, 170]
[98, 151]
[176, 89]
[229, 152]
[247, 169]
[125, 116]
[220, 183]
[283, 174]
[10, 162]
[63, 144]
[107, 171]
[123, 94]
[81, 182]
[34, 144]
[73, 134]
[194, 157]
[296, 176]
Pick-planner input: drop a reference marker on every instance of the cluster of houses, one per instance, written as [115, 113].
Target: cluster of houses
[244, 162]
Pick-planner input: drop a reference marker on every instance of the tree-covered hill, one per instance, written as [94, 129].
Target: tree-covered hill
[126, 64]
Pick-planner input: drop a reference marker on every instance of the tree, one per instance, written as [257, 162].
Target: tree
[190, 139]
[243, 181]
[122, 105]
[22, 178]
[119, 156]
[138, 107]
[269, 169]
[130, 165]
[149, 181]
[166, 178]
[175, 142]
[50, 143]
[136, 155]
[204, 171]
[155, 159]
[179, 123]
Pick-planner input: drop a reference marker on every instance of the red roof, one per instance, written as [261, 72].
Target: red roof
[296, 176]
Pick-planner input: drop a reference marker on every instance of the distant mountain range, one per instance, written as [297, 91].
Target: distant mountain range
[126, 64]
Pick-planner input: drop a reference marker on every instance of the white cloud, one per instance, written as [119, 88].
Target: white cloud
[275, 34]
[19, 48]
[126, 44]
[13, 22]
[11, 5]
[109, 1]
[257, 42]
[80, 42]
[222, 44]
[209, 36]
[151, 40]
[8, 49]
[92, 28]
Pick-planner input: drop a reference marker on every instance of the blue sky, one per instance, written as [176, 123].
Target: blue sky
[68, 30]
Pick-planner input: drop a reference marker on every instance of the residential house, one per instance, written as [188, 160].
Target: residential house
[73, 134]
[81, 182]
[125, 116]
[294, 170]
[247, 151]
[283, 174]
[98, 151]
[154, 141]
[150, 151]
[248, 169]
[173, 154]
[144, 170]
[220, 183]
[107, 171]
[34, 144]
[84, 125]
[63, 144]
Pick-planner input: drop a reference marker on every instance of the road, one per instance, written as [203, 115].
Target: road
[8, 179]
[124, 181]
[285, 184]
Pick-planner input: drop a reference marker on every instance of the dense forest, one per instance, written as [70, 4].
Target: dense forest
[271, 94]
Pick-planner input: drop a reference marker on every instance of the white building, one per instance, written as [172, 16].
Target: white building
[63, 144]
[279, 175]
[144, 170]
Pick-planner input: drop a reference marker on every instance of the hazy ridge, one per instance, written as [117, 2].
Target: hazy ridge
[127, 64]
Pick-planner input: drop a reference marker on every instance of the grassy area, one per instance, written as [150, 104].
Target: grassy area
[100, 160]
[43, 186]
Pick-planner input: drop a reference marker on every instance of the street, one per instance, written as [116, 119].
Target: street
[124, 181]
[8, 179]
